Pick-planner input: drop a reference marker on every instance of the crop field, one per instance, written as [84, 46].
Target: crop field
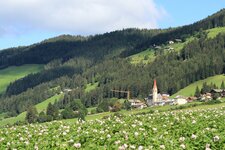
[11, 74]
[183, 129]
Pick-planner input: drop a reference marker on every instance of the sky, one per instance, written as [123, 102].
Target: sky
[24, 22]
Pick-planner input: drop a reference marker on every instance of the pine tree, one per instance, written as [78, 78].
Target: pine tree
[197, 92]
[53, 111]
[222, 85]
[205, 88]
[32, 115]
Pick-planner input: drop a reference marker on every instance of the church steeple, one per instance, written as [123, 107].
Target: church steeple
[155, 86]
[155, 92]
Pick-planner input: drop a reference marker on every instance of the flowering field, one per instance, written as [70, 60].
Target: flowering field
[187, 129]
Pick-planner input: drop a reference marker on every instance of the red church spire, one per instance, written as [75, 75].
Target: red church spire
[155, 86]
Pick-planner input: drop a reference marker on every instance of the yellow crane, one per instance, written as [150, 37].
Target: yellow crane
[119, 91]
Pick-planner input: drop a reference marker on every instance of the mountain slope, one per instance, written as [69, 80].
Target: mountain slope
[11, 74]
[78, 63]
[66, 47]
[190, 89]
[40, 107]
[213, 21]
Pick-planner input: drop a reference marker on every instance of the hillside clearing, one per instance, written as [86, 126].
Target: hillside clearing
[11, 74]
[40, 107]
[190, 90]
[212, 33]
[91, 86]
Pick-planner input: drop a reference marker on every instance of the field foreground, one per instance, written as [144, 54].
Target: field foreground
[183, 129]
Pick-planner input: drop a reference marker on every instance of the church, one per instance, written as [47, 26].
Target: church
[156, 98]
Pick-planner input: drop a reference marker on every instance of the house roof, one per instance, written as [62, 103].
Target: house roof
[217, 90]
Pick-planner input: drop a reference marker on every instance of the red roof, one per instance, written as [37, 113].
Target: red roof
[155, 86]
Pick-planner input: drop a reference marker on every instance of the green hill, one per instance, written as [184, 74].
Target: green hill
[212, 33]
[40, 107]
[13, 73]
[190, 90]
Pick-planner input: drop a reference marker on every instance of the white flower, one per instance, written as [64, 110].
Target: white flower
[216, 138]
[36, 147]
[154, 129]
[108, 136]
[121, 148]
[2, 139]
[207, 147]
[125, 145]
[193, 136]
[194, 121]
[140, 148]
[77, 145]
[162, 147]
[132, 147]
[136, 133]
[64, 133]
[117, 142]
[26, 142]
[181, 139]
[182, 146]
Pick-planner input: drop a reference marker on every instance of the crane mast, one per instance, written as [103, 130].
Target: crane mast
[119, 91]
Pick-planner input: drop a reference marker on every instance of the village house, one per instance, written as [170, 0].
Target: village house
[67, 90]
[221, 92]
[171, 42]
[178, 40]
[135, 103]
[191, 99]
[180, 100]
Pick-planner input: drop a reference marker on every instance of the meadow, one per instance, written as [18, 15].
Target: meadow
[190, 90]
[11, 74]
[181, 129]
[212, 33]
[40, 107]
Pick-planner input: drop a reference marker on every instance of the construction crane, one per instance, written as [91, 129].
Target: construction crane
[119, 91]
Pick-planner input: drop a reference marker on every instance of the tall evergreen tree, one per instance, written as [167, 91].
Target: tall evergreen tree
[52, 110]
[222, 85]
[32, 114]
[197, 92]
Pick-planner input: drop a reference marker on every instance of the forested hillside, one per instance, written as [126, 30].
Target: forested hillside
[73, 62]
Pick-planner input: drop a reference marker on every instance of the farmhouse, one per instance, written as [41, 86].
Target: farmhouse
[171, 42]
[135, 103]
[67, 90]
[178, 40]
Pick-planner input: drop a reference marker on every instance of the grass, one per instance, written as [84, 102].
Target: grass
[40, 107]
[91, 108]
[43, 105]
[148, 55]
[2, 115]
[190, 90]
[91, 87]
[11, 74]
[144, 57]
[212, 33]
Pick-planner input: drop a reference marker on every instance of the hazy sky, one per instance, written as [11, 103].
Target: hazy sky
[23, 22]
